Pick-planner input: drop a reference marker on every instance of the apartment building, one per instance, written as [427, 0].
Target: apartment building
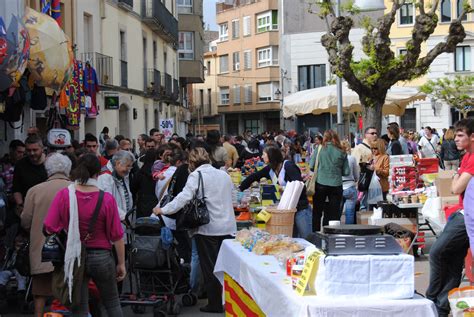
[304, 61]
[431, 112]
[204, 100]
[249, 74]
[191, 41]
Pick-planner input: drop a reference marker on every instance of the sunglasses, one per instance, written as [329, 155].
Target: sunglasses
[374, 149]
[373, 133]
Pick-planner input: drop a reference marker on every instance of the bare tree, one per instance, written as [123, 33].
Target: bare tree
[372, 76]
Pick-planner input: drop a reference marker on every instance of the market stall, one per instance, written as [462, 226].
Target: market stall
[257, 285]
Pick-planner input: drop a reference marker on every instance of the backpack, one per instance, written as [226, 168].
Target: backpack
[13, 105]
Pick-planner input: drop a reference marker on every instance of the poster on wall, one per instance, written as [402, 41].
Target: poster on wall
[167, 127]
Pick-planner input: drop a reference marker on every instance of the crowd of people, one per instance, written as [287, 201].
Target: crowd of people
[49, 191]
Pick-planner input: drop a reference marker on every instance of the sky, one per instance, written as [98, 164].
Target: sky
[210, 14]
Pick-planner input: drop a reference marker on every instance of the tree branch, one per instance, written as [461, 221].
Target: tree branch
[434, 7]
[422, 7]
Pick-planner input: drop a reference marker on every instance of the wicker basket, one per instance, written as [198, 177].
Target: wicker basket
[281, 222]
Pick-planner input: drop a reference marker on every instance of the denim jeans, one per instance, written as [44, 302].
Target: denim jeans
[303, 223]
[195, 269]
[100, 267]
[349, 200]
[446, 262]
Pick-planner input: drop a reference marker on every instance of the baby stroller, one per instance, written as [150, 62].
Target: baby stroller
[156, 275]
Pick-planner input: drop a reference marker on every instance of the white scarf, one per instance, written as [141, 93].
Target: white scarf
[73, 244]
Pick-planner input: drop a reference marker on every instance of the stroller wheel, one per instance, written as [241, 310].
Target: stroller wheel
[174, 308]
[187, 300]
[157, 312]
[138, 309]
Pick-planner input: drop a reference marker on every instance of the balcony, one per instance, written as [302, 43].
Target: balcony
[166, 86]
[160, 20]
[124, 74]
[103, 66]
[126, 4]
[151, 82]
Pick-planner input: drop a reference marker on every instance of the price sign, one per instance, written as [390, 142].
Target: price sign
[167, 127]
[404, 178]
[305, 285]
[264, 216]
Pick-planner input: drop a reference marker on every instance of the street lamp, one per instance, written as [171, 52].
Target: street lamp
[279, 96]
[363, 6]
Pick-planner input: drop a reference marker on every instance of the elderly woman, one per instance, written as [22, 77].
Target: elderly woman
[218, 196]
[116, 181]
[37, 203]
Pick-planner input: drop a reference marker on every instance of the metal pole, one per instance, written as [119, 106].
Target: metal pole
[282, 76]
[340, 114]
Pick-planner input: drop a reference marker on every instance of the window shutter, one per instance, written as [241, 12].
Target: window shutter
[248, 94]
[246, 23]
[236, 94]
[235, 29]
[247, 60]
[224, 63]
[274, 55]
[264, 92]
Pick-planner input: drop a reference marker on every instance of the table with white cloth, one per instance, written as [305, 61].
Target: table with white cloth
[270, 288]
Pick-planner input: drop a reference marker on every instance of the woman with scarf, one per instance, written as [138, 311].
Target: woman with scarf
[116, 181]
[72, 210]
[281, 171]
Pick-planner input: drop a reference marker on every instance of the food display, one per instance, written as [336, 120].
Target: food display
[252, 165]
[263, 243]
[461, 301]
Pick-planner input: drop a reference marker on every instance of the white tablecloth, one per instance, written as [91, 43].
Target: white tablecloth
[267, 283]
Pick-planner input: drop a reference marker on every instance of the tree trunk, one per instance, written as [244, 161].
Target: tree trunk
[372, 116]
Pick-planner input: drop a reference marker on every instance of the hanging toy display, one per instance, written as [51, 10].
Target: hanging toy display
[91, 87]
[74, 97]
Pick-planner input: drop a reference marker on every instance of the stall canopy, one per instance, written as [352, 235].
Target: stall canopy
[324, 99]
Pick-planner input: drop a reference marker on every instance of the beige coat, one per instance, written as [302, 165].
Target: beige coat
[37, 202]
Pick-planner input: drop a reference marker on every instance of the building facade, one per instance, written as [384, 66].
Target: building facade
[249, 73]
[431, 112]
[304, 61]
[204, 102]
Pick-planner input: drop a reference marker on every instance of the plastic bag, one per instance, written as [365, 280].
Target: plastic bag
[374, 194]
[461, 301]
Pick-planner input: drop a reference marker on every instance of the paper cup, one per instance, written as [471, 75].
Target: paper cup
[334, 223]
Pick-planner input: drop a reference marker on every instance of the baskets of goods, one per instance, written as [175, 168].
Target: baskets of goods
[281, 221]
[235, 175]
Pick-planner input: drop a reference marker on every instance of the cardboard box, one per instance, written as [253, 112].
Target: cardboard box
[407, 223]
[362, 218]
[449, 200]
[443, 183]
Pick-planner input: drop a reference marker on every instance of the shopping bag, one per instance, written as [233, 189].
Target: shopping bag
[374, 194]
[364, 179]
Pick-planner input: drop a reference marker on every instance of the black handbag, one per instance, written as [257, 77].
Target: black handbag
[364, 179]
[168, 196]
[54, 247]
[22, 261]
[195, 213]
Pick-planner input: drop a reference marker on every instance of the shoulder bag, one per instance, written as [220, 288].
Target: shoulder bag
[311, 182]
[365, 175]
[195, 213]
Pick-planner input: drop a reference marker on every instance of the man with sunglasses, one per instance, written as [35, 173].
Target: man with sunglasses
[448, 252]
[363, 155]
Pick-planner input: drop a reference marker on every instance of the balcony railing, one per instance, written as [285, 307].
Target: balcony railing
[152, 82]
[128, 4]
[159, 19]
[175, 95]
[103, 66]
[123, 74]
[167, 85]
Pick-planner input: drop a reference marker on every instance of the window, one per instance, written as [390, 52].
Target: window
[311, 76]
[224, 94]
[247, 26]
[445, 10]
[267, 56]
[247, 59]
[209, 101]
[267, 21]
[236, 61]
[248, 93]
[235, 29]
[266, 91]
[224, 64]
[208, 68]
[185, 6]
[186, 45]
[155, 54]
[252, 125]
[406, 14]
[123, 47]
[462, 59]
[236, 92]
[459, 5]
[223, 32]
[402, 51]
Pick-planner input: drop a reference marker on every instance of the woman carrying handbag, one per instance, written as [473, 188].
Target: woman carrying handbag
[216, 193]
